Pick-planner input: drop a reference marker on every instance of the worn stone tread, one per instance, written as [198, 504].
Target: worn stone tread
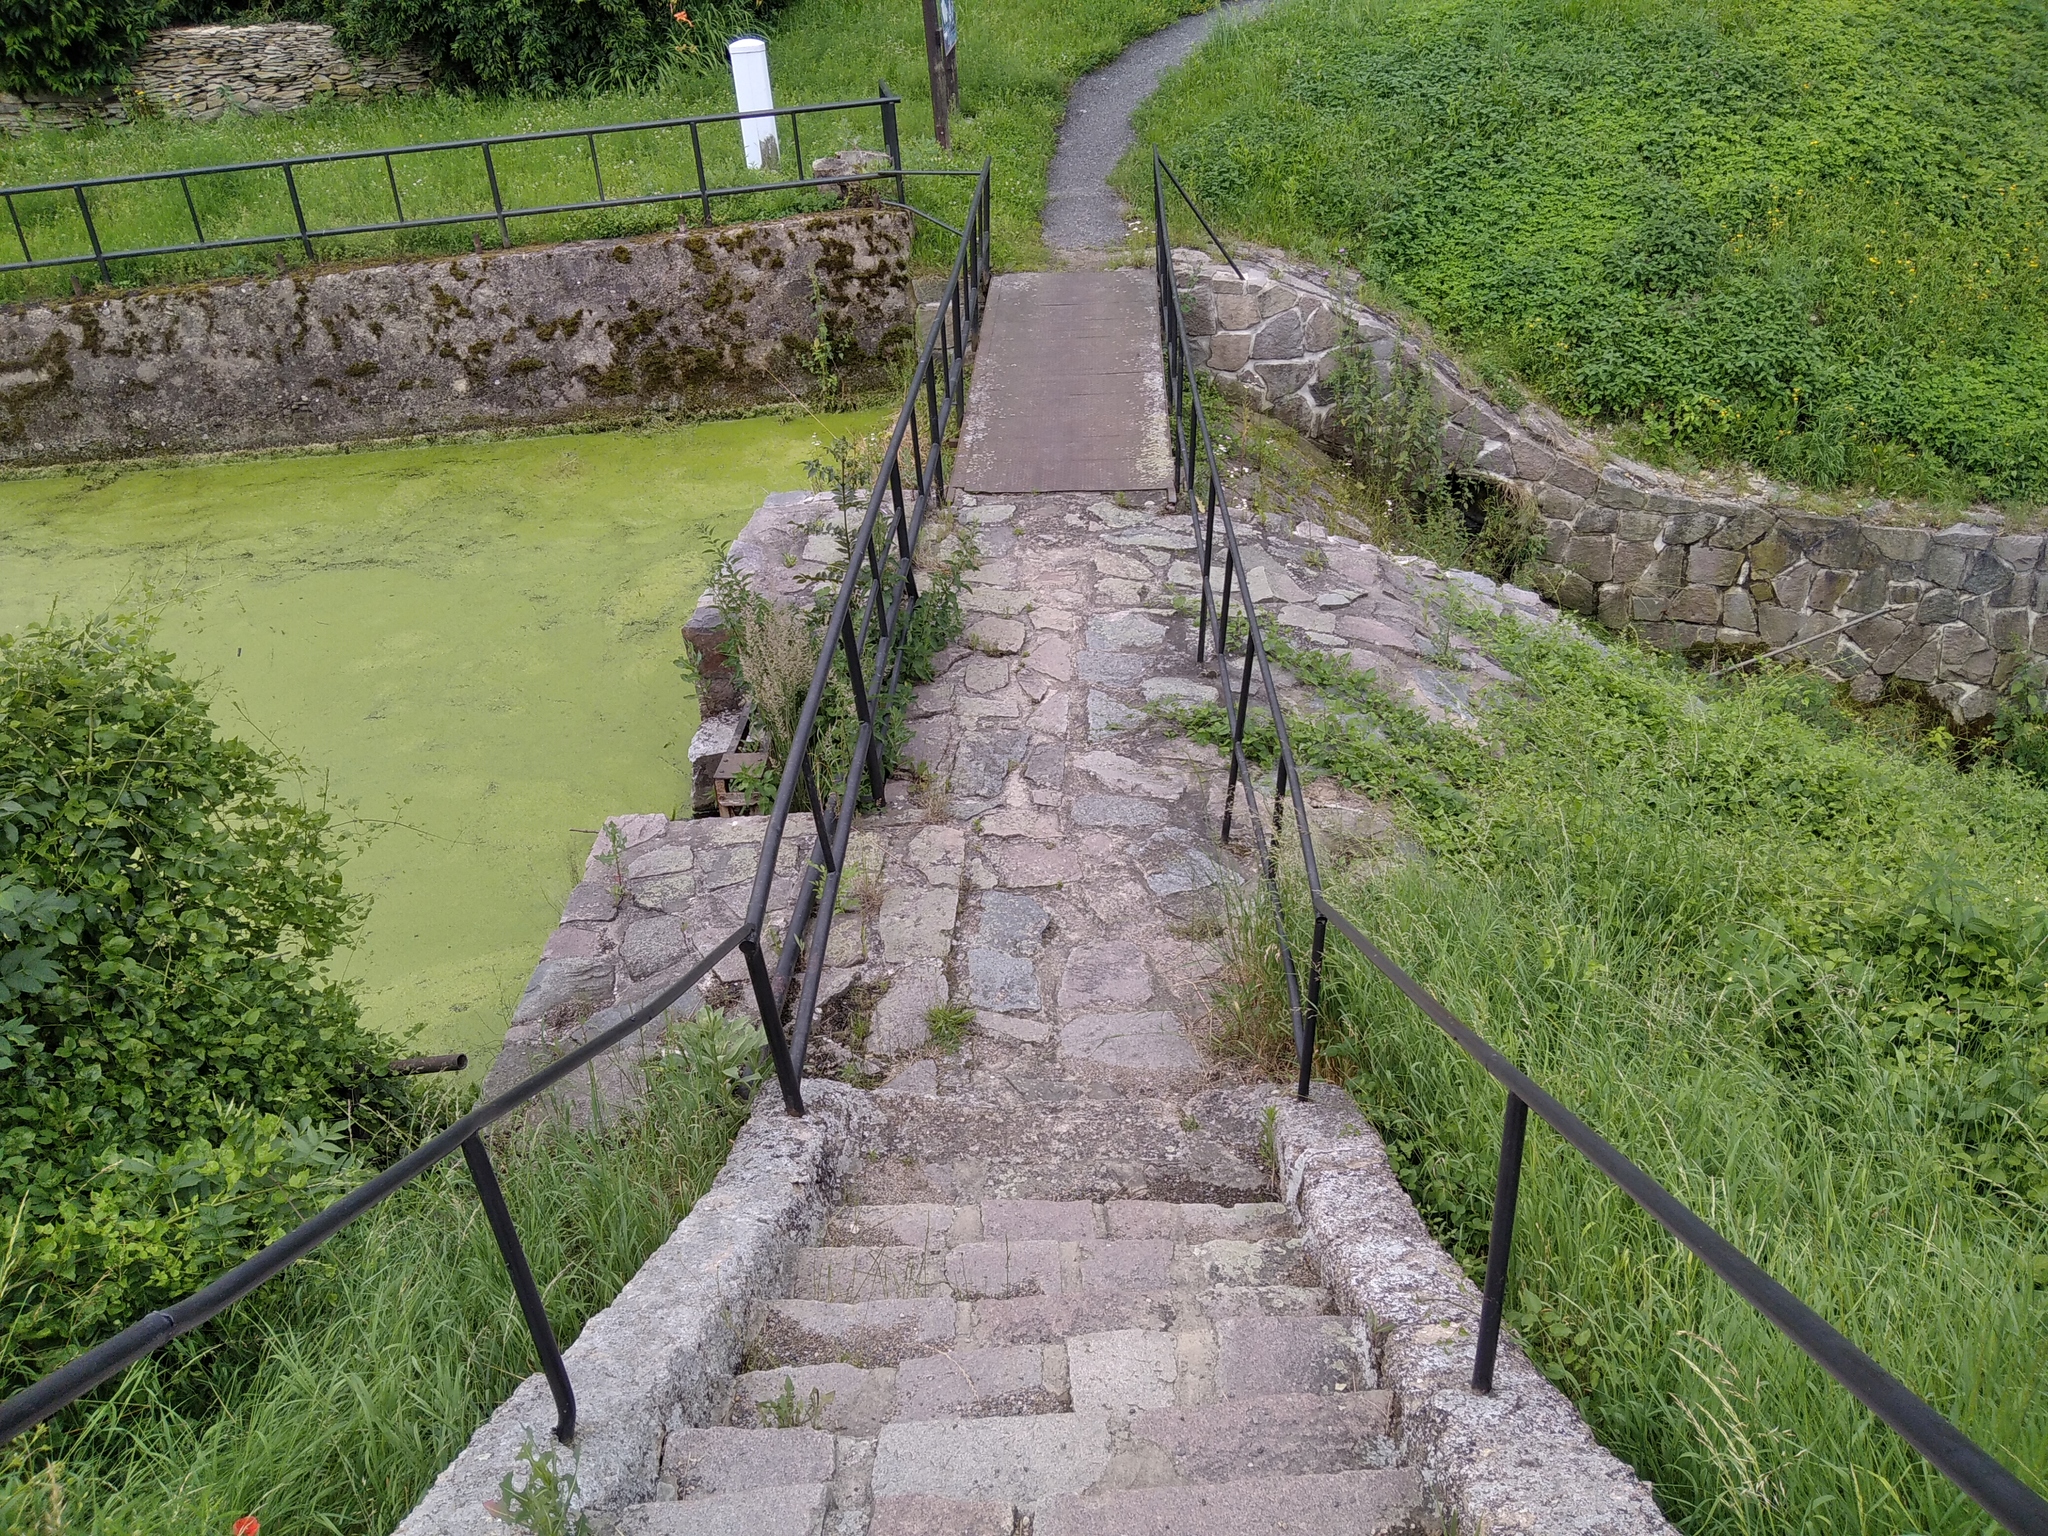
[1313, 1504]
[798, 1510]
[705, 1461]
[1282, 1435]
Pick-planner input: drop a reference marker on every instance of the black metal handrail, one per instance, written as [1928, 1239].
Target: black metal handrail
[501, 212]
[885, 587]
[1976, 1472]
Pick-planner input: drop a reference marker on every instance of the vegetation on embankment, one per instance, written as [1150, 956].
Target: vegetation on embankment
[330, 1399]
[1790, 959]
[1017, 60]
[1805, 235]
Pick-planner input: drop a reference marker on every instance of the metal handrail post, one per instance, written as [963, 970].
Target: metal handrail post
[531, 1305]
[1500, 1242]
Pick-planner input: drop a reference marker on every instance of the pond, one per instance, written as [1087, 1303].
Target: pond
[471, 644]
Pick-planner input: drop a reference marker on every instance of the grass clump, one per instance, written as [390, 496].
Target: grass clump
[948, 1023]
[1796, 970]
[330, 1399]
[1807, 235]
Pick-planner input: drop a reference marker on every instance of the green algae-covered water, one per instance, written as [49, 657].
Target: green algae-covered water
[474, 643]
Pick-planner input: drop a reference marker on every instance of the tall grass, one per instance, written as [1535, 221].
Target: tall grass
[1677, 905]
[1017, 59]
[1809, 234]
[330, 1399]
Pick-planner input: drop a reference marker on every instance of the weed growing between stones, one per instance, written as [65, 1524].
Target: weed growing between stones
[1795, 968]
[774, 647]
[543, 1501]
[948, 1023]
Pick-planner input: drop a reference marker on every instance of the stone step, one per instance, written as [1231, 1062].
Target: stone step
[869, 1334]
[798, 1510]
[1311, 1504]
[1017, 1461]
[994, 1269]
[935, 1227]
[1057, 1140]
[1282, 1435]
[707, 1461]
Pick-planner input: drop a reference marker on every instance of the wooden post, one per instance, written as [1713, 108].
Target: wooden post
[941, 39]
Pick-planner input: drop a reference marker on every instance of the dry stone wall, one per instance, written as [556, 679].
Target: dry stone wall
[710, 320]
[1956, 612]
[201, 72]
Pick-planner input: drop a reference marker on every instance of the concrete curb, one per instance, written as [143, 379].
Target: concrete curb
[669, 1345]
[1519, 1460]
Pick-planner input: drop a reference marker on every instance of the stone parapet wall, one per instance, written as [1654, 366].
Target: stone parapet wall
[1956, 611]
[716, 319]
[200, 72]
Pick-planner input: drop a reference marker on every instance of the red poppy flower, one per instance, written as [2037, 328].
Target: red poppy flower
[248, 1525]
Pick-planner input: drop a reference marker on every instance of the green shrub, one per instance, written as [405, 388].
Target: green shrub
[500, 46]
[170, 1051]
[72, 47]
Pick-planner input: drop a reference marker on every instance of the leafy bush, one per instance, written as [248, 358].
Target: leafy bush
[501, 46]
[71, 47]
[170, 1052]
[1807, 235]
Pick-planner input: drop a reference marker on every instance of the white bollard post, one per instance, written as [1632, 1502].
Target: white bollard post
[752, 93]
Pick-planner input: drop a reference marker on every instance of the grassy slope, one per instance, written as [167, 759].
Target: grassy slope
[330, 1400]
[1017, 59]
[1797, 970]
[1808, 234]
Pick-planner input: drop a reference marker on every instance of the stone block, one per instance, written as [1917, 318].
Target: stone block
[1333, 1504]
[1279, 337]
[863, 1333]
[1738, 611]
[1923, 665]
[575, 986]
[1694, 605]
[1947, 565]
[917, 922]
[1592, 558]
[1565, 507]
[1793, 584]
[1278, 298]
[1571, 475]
[899, 1024]
[1014, 1460]
[1988, 577]
[1318, 326]
[1267, 1436]
[848, 1401]
[1966, 655]
[1840, 546]
[1711, 567]
[1053, 1221]
[699, 1461]
[2021, 551]
[1630, 560]
[1281, 377]
[1615, 491]
[1827, 590]
[1123, 1372]
[1940, 606]
[1198, 312]
[1773, 553]
[923, 1514]
[1002, 983]
[1229, 351]
[1611, 606]
[797, 1510]
[891, 1273]
[1235, 311]
[2009, 629]
[653, 944]
[1533, 461]
[1964, 536]
[1865, 594]
[1105, 976]
[1689, 527]
[1644, 526]
[1909, 545]
[974, 1384]
[1151, 1040]
[1557, 540]
[1260, 1356]
[1743, 528]
[1777, 625]
[1664, 574]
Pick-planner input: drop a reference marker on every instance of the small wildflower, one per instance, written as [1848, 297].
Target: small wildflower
[248, 1525]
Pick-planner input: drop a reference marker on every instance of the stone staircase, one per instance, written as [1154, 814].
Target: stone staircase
[1063, 1356]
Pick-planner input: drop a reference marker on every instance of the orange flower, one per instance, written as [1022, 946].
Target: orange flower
[683, 17]
[248, 1525]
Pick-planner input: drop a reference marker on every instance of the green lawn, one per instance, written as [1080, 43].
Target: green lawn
[1017, 60]
[1806, 234]
[1791, 960]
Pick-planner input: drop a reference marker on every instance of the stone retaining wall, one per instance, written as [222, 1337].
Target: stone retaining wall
[1956, 612]
[199, 72]
[715, 319]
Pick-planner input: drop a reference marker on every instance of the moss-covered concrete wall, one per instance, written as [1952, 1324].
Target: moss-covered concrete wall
[706, 320]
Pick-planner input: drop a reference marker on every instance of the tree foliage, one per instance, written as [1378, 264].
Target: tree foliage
[71, 47]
